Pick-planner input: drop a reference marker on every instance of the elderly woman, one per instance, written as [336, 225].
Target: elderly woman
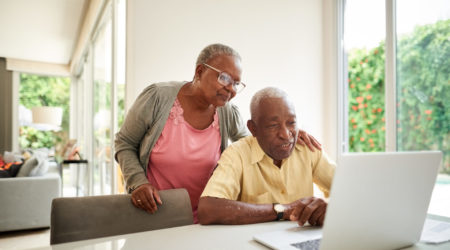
[174, 133]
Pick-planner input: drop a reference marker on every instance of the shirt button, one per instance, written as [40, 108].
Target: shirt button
[283, 191]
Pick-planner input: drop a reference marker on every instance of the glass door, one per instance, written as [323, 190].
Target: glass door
[102, 165]
[423, 86]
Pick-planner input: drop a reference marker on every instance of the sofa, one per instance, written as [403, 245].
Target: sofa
[25, 202]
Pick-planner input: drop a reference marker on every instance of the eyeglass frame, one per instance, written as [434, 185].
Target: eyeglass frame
[234, 84]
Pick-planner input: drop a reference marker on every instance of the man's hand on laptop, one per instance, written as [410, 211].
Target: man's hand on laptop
[310, 209]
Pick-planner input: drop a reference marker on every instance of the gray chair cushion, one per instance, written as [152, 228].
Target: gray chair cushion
[80, 218]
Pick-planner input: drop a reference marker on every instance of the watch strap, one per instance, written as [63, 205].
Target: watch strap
[279, 214]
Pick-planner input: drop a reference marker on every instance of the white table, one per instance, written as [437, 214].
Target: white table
[198, 237]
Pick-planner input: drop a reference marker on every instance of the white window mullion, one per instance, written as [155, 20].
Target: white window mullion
[73, 107]
[342, 109]
[390, 77]
[89, 121]
[114, 100]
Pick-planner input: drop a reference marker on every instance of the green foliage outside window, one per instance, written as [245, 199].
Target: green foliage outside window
[366, 100]
[423, 74]
[423, 91]
[36, 90]
[121, 104]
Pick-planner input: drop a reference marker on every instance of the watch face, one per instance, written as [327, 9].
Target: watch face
[279, 208]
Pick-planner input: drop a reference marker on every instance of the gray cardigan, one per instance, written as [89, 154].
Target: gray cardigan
[144, 124]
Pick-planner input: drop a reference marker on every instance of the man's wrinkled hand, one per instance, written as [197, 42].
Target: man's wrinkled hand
[308, 209]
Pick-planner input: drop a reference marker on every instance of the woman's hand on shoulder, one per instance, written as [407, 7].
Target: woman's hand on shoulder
[304, 138]
[146, 197]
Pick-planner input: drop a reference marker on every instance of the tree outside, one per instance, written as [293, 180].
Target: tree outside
[366, 100]
[423, 93]
[35, 91]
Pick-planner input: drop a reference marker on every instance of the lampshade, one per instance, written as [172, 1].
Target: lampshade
[47, 115]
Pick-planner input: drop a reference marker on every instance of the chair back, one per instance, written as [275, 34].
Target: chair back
[81, 218]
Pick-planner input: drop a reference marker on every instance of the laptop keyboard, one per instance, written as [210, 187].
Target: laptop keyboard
[307, 245]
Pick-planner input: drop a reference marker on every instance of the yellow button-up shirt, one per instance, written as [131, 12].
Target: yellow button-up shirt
[245, 173]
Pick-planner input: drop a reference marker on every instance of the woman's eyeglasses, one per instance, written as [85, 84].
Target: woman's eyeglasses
[225, 79]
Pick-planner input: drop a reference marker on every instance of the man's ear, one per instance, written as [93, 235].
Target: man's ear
[252, 127]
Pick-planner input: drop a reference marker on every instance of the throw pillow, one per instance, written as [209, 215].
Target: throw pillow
[28, 165]
[9, 169]
[9, 157]
[41, 168]
[36, 165]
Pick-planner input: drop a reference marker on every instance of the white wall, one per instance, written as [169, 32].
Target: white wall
[281, 43]
[333, 106]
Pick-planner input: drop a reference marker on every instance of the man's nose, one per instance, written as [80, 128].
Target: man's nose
[284, 132]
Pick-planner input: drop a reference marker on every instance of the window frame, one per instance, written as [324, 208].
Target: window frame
[390, 80]
[83, 97]
[436, 206]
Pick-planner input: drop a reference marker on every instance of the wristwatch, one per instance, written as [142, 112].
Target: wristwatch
[279, 209]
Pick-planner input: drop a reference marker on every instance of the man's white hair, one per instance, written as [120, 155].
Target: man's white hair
[269, 92]
[213, 50]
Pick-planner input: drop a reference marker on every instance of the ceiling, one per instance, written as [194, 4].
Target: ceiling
[40, 30]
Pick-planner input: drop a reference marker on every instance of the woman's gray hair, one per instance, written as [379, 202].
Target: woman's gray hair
[269, 92]
[214, 50]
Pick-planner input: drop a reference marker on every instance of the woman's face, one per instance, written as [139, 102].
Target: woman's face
[214, 92]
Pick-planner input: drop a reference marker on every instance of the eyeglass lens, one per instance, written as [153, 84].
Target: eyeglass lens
[226, 80]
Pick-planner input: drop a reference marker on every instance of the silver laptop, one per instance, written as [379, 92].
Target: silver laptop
[377, 201]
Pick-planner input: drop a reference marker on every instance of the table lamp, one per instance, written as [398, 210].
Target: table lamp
[47, 118]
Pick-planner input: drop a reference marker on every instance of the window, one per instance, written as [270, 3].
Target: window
[423, 85]
[397, 81]
[364, 46]
[38, 91]
[102, 107]
[99, 98]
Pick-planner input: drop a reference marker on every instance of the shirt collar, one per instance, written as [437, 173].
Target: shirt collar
[257, 152]
[298, 147]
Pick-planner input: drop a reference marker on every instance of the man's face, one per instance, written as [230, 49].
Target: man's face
[275, 127]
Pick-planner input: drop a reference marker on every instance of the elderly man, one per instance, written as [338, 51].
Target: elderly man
[267, 176]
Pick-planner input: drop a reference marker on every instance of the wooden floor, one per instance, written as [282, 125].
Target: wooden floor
[25, 239]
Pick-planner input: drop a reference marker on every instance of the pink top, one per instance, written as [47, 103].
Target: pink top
[184, 157]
